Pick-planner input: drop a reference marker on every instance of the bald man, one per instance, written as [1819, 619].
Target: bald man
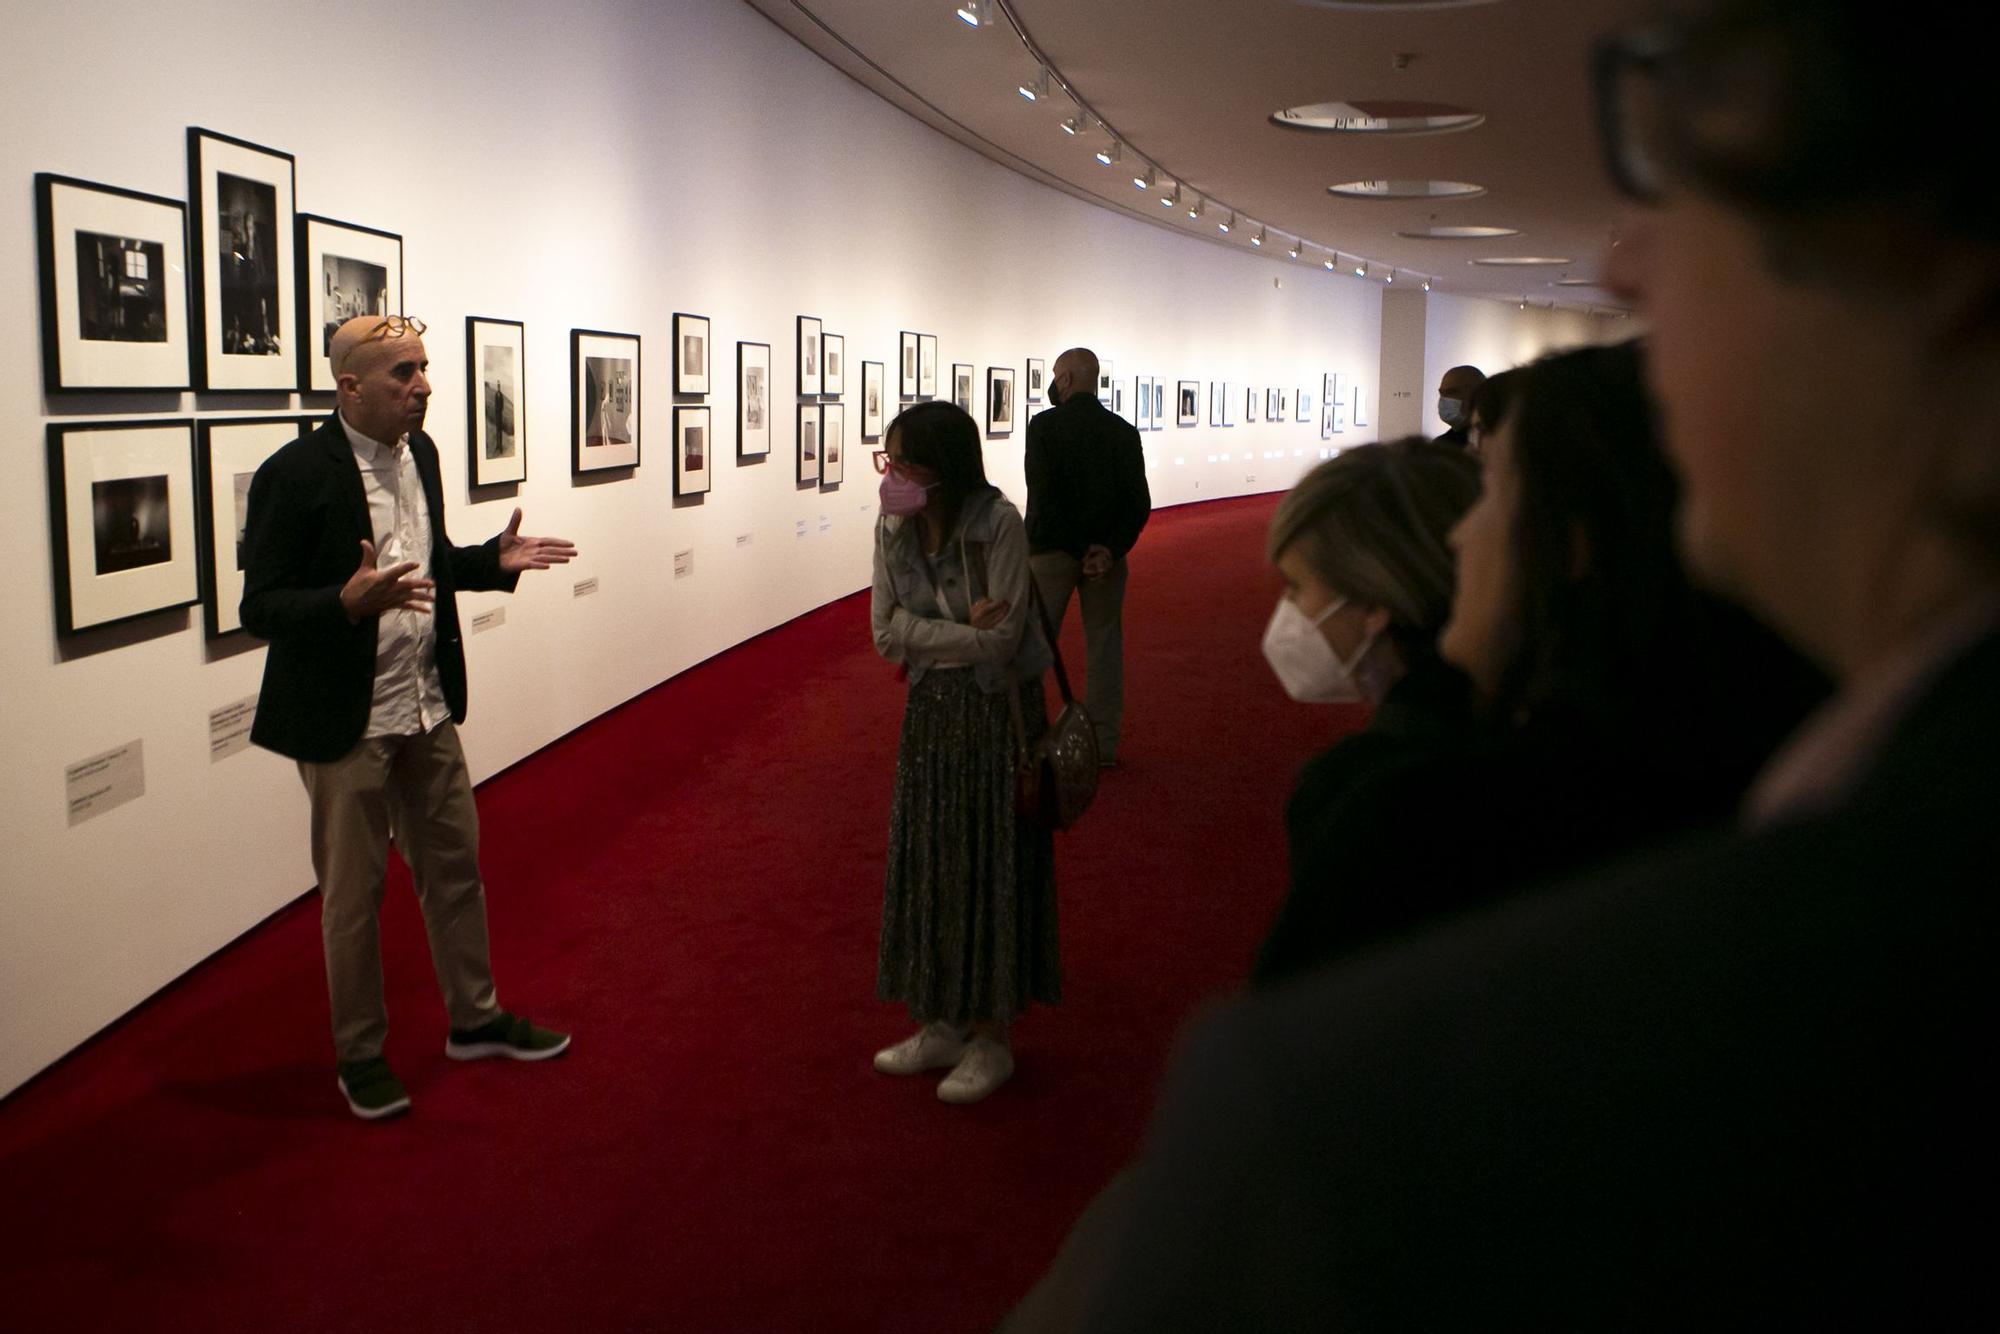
[1087, 502]
[349, 575]
[1455, 390]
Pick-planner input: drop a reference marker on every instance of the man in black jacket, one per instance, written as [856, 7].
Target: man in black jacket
[1087, 501]
[348, 573]
[1737, 1085]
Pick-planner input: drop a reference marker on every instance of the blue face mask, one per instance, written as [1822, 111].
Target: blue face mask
[1452, 410]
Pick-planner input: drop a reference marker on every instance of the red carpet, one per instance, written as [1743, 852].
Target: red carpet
[692, 883]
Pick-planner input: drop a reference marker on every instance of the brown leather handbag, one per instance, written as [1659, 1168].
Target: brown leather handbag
[1056, 777]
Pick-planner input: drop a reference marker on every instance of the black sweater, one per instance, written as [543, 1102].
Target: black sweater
[1086, 479]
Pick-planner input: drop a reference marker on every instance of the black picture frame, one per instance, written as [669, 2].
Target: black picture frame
[873, 390]
[1187, 403]
[694, 465]
[114, 303]
[141, 523]
[832, 444]
[808, 352]
[496, 401]
[927, 363]
[963, 379]
[323, 305]
[595, 402]
[1036, 380]
[232, 449]
[1142, 403]
[807, 447]
[691, 343]
[833, 365]
[753, 400]
[243, 296]
[1000, 408]
[907, 345]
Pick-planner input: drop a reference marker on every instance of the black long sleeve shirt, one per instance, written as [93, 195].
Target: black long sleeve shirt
[1086, 479]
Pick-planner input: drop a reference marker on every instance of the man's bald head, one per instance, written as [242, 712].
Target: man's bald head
[1075, 372]
[365, 340]
[378, 370]
[1460, 381]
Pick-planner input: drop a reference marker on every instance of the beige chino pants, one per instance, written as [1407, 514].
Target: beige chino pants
[1102, 603]
[414, 789]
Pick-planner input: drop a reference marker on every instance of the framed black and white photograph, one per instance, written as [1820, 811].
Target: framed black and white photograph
[871, 400]
[1159, 404]
[694, 448]
[810, 379]
[1229, 395]
[496, 404]
[122, 520]
[832, 443]
[232, 449]
[927, 363]
[1329, 402]
[907, 377]
[1302, 404]
[1187, 409]
[753, 400]
[833, 365]
[809, 442]
[1216, 389]
[1274, 405]
[961, 387]
[690, 354]
[344, 271]
[1360, 405]
[999, 400]
[1107, 384]
[114, 287]
[604, 394]
[1252, 401]
[1334, 394]
[1142, 403]
[1037, 379]
[245, 322]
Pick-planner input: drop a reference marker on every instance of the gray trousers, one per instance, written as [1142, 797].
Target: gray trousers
[1102, 602]
[416, 790]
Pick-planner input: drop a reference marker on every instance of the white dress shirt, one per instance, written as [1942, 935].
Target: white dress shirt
[409, 700]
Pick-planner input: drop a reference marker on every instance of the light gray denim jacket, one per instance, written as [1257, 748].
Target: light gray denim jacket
[913, 628]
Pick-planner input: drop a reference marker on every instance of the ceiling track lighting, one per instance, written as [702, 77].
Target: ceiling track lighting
[1427, 284]
[1169, 198]
[1391, 278]
[1226, 224]
[1145, 180]
[1258, 239]
[1361, 268]
[1332, 259]
[1072, 126]
[1196, 208]
[975, 13]
[1036, 88]
[1294, 251]
[1110, 153]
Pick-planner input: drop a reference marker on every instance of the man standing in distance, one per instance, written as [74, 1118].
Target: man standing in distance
[1734, 1085]
[1455, 389]
[1087, 501]
[349, 575]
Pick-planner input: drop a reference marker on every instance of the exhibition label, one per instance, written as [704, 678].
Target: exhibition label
[229, 728]
[105, 781]
[486, 620]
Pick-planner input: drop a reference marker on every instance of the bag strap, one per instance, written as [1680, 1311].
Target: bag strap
[1049, 632]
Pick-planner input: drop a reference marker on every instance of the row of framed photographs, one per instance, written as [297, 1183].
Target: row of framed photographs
[996, 408]
[230, 291]
[1149, 409]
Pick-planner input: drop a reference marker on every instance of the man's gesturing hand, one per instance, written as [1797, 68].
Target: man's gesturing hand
[370, 592]
[519, 553]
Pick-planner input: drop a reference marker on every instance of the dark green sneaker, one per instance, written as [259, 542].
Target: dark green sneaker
[505, 1035]
[372, 1089]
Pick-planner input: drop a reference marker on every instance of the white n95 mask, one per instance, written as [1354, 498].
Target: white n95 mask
[1304, 663]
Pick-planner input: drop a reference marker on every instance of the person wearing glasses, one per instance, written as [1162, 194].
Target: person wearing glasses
[969, 894]
[349, 575]
[1736, 1083]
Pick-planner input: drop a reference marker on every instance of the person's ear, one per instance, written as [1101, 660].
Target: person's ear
[1376, 621]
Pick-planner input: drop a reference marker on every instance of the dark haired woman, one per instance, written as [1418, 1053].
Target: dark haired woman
[969, 905]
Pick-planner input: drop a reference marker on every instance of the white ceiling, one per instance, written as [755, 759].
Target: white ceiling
[1190, 85]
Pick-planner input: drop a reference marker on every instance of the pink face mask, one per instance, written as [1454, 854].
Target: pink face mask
[901, 495]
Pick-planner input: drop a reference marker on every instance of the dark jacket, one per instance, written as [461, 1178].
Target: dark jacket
[1732, 1085]
[301, 543]
[1086, 479]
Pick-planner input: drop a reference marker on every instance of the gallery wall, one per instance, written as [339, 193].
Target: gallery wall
[602, 165]
[1499, 335]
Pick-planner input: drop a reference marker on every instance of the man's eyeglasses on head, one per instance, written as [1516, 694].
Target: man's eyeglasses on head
[392, 326]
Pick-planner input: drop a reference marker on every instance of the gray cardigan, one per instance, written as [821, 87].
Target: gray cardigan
[910, 625]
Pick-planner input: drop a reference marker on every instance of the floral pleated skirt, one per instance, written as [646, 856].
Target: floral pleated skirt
[969, 900]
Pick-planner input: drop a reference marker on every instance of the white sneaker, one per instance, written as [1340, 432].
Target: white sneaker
[987, 1065]
[932, 1047]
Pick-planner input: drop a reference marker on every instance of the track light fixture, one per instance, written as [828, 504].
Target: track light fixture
[1258, 239]
[1036, 88]
[1361, 268]
[1427, 284]
[1072, 125]
[975, 13]
[1170, 197]
[1196, 208]
[1226, 224]
[1294, 251]
[1110, 153]
[1391, 278]
[1332, 259]
[1144, 180]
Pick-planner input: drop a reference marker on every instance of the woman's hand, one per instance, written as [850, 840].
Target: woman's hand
[987, 614]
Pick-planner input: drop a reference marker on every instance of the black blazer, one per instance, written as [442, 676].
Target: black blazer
[301, 543]
[1086, 479]
[1737, 1085]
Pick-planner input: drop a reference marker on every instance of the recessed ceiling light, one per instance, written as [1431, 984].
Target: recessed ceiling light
[1577, 282]
[1521, 261]
[1406, 189]
[1457, 233]
[1378, 118]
